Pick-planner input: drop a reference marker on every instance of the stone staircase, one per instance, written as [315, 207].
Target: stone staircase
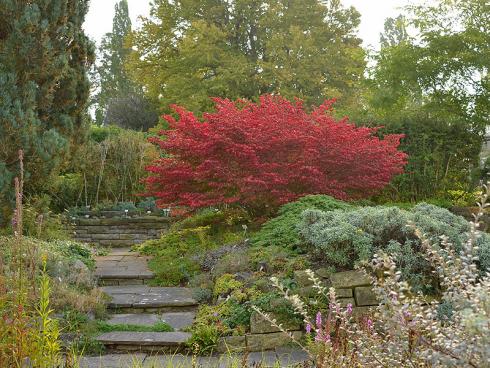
[124, 277]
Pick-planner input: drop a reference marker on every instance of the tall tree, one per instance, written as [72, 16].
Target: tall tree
[434, 87]
[44, 57]
[190, 50]
[113, 81]
[395, 31]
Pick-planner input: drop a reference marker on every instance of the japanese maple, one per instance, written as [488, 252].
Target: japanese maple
[264, 154]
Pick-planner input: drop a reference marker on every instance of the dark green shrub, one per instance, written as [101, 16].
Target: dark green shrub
[239, 315]
[282, 230]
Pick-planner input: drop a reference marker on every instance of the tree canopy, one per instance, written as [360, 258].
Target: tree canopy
[44, 57]
[120, 100]
[262, 155]
[433, 86]
[188, 51]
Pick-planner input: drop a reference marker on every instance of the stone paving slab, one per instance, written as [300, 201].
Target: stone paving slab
[287, 357]
[142, 296]
[178, 320]
[113, 361]
[141, 319]
[123, 264]
[140, 339]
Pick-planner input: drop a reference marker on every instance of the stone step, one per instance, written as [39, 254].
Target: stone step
[145, 341]
[177, 320]
[283, 357]
[145, 299]
[123, 268]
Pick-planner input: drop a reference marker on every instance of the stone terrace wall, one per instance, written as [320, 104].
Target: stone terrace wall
[119, 232]
[352, 287]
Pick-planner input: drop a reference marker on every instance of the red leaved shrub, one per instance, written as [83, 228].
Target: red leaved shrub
[262, 155]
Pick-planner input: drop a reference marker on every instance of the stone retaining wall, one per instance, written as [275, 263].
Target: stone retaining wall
[352, 287]
[119, 232]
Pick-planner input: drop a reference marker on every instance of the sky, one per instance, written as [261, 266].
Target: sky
[374, 12]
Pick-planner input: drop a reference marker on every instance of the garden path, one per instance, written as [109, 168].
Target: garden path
[125, 277]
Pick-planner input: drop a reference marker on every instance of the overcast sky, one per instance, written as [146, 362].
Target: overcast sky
[374, 12]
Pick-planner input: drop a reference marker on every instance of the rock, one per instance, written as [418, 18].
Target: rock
[302, 279]
[114, 361]
[259, 325]
[144, 338]
[243, 276]
[307, 292]
[270, 341]
[231, 344]
[365, 296]
[79, 266]
[263, 267]
[349, 279]
[344, 302]
[343, 293]
[324, 272]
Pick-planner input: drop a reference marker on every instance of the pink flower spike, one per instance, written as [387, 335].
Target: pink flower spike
[349, 308]
[319, 320]
[326, 338]
[308, 328]
[370, 324]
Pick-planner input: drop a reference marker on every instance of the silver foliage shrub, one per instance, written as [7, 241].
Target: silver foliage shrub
[344, 238]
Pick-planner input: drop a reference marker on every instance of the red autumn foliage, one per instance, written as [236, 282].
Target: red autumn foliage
[262, 155]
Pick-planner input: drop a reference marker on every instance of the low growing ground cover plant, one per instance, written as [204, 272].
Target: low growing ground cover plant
[283, 231]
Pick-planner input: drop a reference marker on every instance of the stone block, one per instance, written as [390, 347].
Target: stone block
[270, 341]
[307, 292]
[105, 236]
[343, 293]
[346, 301]
[117, 243]
[324, 273]
[349, 279]
[259, 325]
[127, 236]
[124, 282]
[365, 296]
[231, 344]
[302, 279]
